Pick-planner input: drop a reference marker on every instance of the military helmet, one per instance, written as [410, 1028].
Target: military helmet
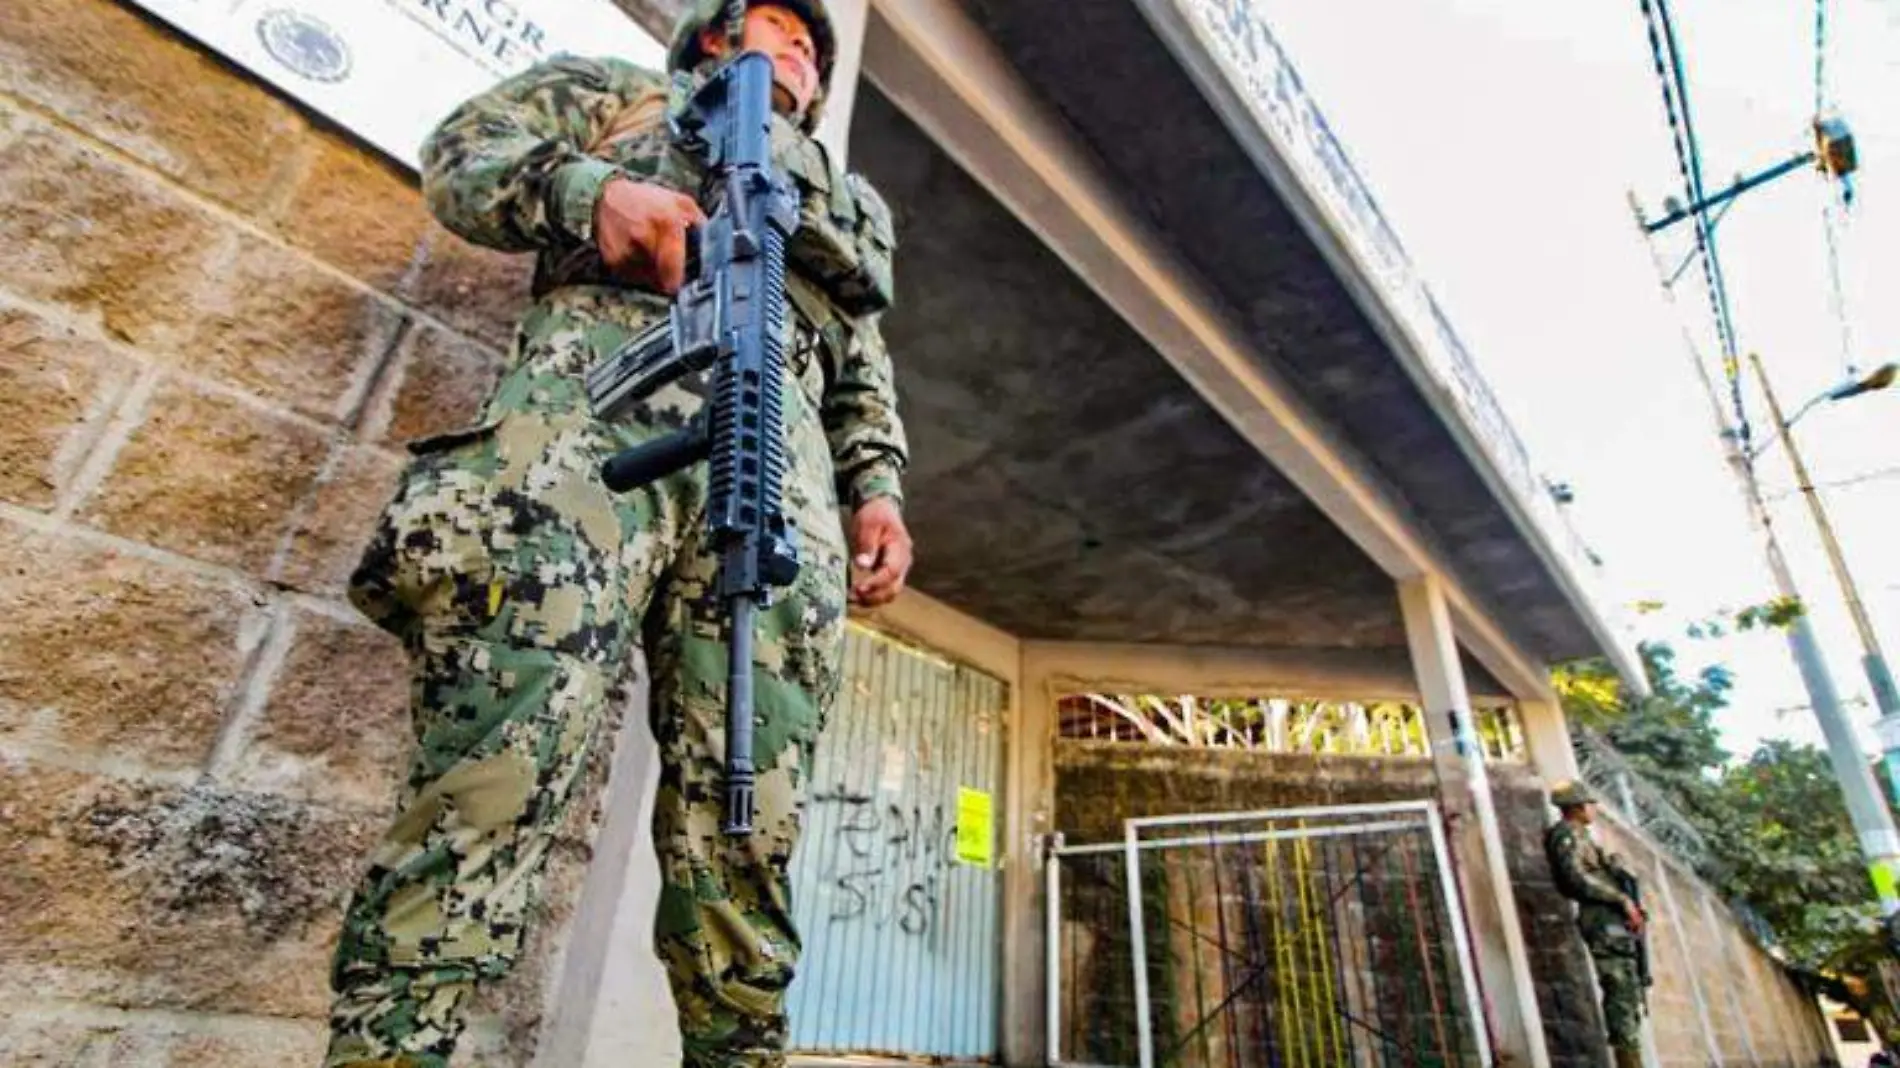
[701, 14]
[1571, 795]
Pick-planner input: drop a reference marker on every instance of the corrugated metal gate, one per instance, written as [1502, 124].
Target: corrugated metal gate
[894, 883]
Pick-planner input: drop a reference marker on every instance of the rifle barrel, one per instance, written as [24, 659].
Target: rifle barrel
[740, 774]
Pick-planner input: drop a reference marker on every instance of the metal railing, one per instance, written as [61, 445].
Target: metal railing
[1277, 725]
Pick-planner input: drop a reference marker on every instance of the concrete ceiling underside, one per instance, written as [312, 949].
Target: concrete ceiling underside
[1066, 483]
[1101, 69]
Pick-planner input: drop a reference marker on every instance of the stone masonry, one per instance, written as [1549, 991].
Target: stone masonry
[220, 317]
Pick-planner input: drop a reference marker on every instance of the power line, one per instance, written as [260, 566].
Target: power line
[1820, 57]
[1834, 202]
[1667, 56]
[1832, 209]
[1842, 483]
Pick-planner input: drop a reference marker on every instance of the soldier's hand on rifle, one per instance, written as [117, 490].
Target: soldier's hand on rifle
[1633, 916]
[880, 552]
[640, 229]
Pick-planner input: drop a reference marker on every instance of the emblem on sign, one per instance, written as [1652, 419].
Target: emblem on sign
[305, 44]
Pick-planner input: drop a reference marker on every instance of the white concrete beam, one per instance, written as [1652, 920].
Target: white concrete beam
[1547, 737]
[1485, 640]
[926, 621]
[848, 19]
[1483, 873]
[1211, 671]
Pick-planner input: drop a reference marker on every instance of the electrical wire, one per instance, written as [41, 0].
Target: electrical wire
[1666, 53]
[1820, 57]
[1833, 203]
[1879, 475]
[1832, 210]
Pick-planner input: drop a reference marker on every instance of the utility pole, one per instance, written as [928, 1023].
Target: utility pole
[1834, 156]
[1873, 660]
[1873, 823]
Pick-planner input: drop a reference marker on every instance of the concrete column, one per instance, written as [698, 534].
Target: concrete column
[848, 17]
[610, 1004]
[1548, 738]
[1031, 816]
[1477, 844]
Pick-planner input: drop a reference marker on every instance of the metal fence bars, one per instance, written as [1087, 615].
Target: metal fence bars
[1296, 938]
[1279, 725]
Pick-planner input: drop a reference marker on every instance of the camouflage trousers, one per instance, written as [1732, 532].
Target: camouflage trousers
[1623, 996]
[519, 584]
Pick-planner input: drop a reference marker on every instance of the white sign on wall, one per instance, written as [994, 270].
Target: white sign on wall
[390, 70]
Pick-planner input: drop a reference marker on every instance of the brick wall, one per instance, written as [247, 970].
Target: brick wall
[1756, 1015]
[219, 318]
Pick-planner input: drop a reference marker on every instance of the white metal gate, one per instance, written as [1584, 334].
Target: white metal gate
[1294, 937]
[895, 887]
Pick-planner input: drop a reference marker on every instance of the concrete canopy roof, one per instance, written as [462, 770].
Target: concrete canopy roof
[1068, 482]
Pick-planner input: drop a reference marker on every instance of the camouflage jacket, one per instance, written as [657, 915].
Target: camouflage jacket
[1585, 873]
[520, 167]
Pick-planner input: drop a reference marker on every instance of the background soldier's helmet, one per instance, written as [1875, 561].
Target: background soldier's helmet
[1571, 794]
[685, 53]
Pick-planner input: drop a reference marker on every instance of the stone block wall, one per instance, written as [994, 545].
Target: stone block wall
[1750, 1012]
[219, 320]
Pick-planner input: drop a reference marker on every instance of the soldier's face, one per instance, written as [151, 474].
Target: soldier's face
[781, 34]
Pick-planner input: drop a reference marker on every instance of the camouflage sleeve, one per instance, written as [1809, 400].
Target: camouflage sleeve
[510, 168]
[861, 421]
[1580, 878]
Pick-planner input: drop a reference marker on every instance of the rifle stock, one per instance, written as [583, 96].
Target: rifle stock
[729, 317]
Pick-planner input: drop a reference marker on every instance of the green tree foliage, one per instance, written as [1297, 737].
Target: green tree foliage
[1789, 845]
[1671, 735]
[1785, 846]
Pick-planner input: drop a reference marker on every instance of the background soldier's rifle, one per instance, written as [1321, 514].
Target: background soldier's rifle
[1627, 883]
[730, 317]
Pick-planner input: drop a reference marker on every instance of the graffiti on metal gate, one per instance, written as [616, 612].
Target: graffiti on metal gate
[888, 860]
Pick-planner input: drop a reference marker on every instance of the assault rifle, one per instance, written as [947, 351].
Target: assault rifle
[729, 317]
[1632, 890]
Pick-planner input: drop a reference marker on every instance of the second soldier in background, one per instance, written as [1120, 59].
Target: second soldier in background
[1609, 917]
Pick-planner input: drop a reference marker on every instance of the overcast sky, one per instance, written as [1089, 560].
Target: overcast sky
[1502, 138]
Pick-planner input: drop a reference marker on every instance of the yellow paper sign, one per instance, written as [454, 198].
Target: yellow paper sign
[976, 829]
[1883, 880]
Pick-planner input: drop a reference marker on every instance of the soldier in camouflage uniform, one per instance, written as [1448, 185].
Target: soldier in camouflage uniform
[519, 583]
[1611, 921]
